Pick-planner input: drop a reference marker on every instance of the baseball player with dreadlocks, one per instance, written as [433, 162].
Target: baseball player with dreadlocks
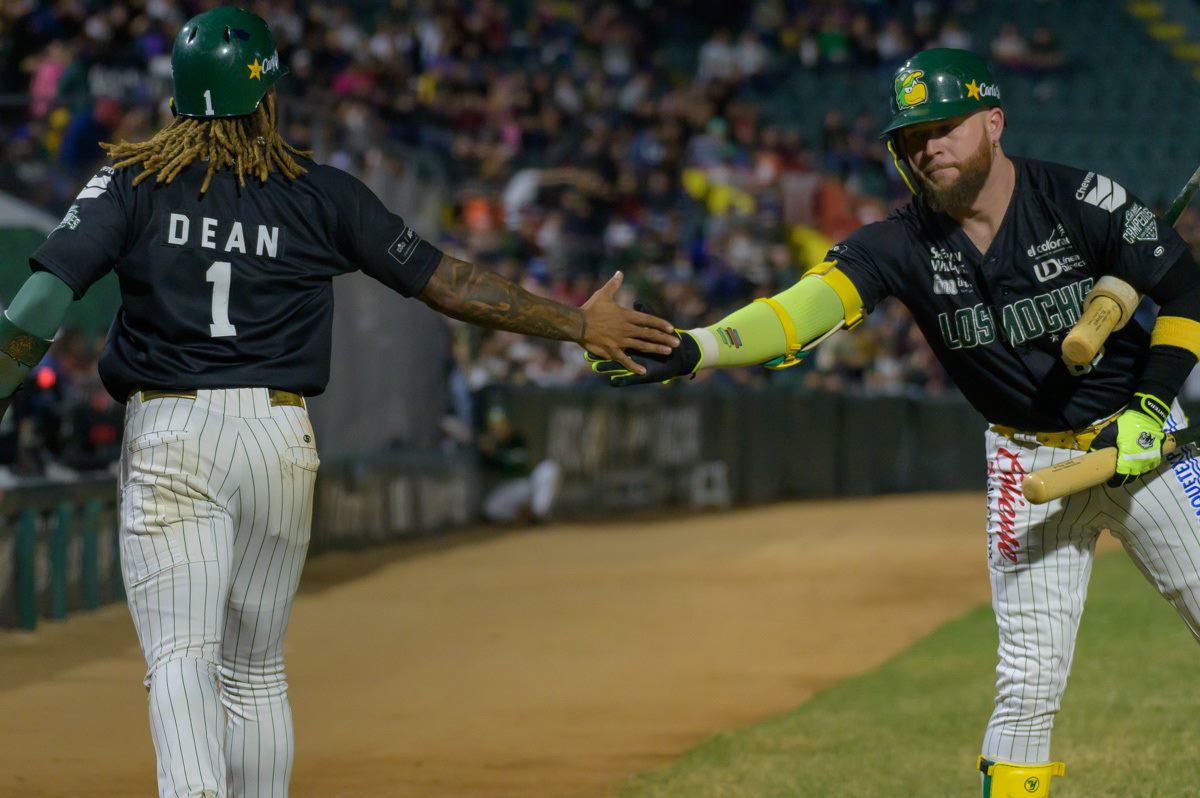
[994, 257]
[225, 240]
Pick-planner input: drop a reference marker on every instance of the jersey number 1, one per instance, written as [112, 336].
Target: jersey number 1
[219, 274]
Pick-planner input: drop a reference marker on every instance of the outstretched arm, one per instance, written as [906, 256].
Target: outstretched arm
[772, 331]
[27, 328]
[464, 291]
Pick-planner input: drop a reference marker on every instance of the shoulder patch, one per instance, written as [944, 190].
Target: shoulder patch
[97, 185]
[405, 245]
[1106, 194]
[1140, 224]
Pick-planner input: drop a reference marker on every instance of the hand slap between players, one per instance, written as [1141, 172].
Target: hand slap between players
[611, 329]
[682, 361]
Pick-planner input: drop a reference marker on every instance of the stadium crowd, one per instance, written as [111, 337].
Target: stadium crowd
[575, 138]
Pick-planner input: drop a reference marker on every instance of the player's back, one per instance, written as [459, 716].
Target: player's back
[230, 287]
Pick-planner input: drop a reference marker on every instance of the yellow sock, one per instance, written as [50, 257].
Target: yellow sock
[1009, 780]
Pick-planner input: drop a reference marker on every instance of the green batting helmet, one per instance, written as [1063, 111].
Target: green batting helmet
[937, 84]
[224, 61]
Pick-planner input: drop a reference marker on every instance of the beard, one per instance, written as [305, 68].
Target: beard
[959, 195]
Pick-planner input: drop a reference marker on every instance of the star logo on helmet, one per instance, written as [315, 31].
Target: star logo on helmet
[255, 69]
[973, 90]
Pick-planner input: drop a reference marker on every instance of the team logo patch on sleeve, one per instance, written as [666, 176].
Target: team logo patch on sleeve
[404, 245]
[1140, 224]
[70, 221]
[1107, 194]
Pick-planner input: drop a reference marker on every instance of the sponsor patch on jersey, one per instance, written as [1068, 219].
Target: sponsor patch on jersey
[404, 245]
[949, 273]
[1054, 256]
[1106, 194]
[97, 185]
[1056, 242]
[1049, 268]
[1140, 224]
[1081, 192]
[70, 221]
[944, 287]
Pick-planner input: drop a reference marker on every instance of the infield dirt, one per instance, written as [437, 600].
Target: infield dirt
[550, 662]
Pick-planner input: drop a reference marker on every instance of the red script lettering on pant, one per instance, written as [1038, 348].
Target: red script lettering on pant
[1009, 499]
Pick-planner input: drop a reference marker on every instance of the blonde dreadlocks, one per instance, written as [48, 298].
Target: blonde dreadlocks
[251, 144]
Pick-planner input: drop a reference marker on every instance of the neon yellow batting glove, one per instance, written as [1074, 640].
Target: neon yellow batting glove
[1138, 437]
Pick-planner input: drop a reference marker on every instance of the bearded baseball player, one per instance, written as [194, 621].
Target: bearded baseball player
[226, 239]
[994, 256]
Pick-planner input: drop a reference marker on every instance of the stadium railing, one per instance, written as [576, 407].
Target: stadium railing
[58, 549]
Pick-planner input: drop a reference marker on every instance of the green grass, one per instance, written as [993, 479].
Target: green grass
[1129, 728]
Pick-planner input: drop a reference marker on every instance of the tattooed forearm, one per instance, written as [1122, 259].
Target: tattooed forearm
[464, 291]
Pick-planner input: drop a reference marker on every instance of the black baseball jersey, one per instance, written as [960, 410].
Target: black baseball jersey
[996, 320]
[231, 288]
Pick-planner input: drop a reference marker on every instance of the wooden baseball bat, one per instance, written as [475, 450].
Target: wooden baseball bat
[1091, 331]
[1092, 469]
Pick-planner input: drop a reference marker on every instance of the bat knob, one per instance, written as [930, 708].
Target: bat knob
[1035, 490]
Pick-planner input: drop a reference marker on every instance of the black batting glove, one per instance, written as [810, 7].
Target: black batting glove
[682, 362]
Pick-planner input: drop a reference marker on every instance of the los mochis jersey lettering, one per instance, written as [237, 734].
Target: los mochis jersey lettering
[232, 288]
[996, 320]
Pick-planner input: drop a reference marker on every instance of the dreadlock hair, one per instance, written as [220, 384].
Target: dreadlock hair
[250, 143]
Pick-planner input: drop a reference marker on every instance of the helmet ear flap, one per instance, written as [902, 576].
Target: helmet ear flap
[901, 165]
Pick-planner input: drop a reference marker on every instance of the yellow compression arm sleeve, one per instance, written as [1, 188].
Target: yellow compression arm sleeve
[757, 333]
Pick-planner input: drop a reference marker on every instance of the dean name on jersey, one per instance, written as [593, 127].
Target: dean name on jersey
[208, 233]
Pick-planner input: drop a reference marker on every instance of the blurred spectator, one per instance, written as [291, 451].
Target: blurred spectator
[893, 43]
[751, 56]
[1010, 48]
[833, 40]
[718, 58]
[574, 141]
[953, 35]
[1044, 51]
[47, 69]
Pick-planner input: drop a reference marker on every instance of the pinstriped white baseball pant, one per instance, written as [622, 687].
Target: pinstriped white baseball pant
[1040, 561]
[216, 511]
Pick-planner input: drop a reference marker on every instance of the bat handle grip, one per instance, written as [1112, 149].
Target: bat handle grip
[1087, 471]
[1084, 341]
